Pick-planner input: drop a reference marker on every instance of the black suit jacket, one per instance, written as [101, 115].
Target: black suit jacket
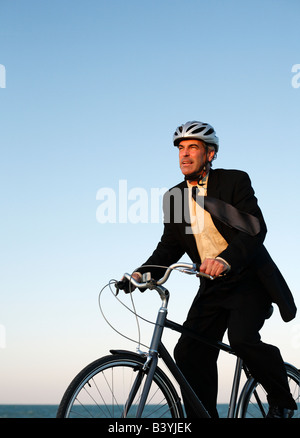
[243, 251]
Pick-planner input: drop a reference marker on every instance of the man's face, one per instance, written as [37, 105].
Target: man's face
[192, 155]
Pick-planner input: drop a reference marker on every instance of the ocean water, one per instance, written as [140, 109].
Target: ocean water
[49, 411]
[28, 411]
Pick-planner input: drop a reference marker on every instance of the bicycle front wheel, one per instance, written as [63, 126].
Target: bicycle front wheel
[110, 387]
[253, 401]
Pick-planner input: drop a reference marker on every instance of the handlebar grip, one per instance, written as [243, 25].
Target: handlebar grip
[124, 285]
[121, 284]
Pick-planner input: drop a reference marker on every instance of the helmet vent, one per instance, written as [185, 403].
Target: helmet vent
[191, 127]
[199, 130]
[210, 131]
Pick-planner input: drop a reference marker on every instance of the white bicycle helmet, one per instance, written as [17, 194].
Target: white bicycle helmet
[198, 131]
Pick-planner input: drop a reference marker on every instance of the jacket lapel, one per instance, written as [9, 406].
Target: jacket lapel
[214, 190]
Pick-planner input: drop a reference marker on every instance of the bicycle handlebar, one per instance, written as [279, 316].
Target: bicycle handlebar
[189, 268]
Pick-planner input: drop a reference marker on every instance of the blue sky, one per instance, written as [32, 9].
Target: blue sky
[94, 91]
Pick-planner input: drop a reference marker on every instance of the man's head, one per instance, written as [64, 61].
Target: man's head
[198, 145]
[194, 155]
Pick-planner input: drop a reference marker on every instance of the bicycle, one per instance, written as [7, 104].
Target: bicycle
[127, 384]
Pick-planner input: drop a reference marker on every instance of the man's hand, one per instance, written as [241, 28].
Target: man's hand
[129, 287]
[214, 267]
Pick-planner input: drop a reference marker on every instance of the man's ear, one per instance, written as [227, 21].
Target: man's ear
[210, 156]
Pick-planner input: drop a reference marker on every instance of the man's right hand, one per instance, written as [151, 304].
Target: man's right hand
[129, 287]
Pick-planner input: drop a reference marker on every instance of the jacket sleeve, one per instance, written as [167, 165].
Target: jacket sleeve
[243, 248]
[168, 251]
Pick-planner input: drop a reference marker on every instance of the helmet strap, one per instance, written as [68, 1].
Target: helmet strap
[199, 175]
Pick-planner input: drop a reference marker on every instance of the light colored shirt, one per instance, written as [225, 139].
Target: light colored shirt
[210, 243]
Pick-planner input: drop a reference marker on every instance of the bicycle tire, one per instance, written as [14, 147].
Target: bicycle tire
[94, 393]
[253, 401]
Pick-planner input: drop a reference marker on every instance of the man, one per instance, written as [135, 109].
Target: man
[228, 246]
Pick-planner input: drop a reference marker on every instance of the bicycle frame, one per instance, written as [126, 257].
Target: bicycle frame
[158, 349]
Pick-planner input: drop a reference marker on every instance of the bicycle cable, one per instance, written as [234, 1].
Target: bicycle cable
[138, 342]
[133, 310]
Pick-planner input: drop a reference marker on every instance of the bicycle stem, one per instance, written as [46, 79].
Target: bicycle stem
[161, 318]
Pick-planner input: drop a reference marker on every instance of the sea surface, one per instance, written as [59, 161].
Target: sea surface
[49, 411]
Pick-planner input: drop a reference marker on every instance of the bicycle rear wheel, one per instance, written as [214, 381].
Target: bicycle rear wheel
[110, 387]
[253, 402]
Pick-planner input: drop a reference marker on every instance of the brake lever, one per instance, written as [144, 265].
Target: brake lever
[197, 273]
[189, 271]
